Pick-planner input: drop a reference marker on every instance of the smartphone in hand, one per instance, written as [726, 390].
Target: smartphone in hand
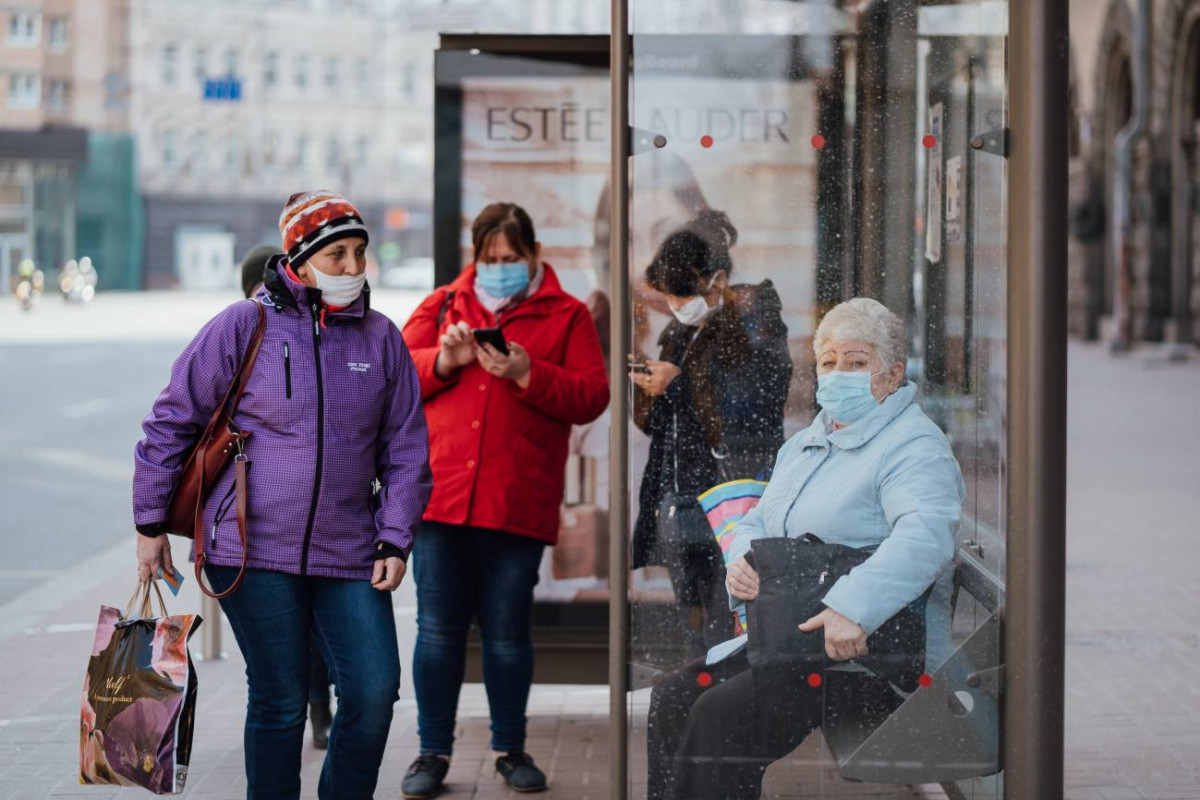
[492, 336]
[638, 364]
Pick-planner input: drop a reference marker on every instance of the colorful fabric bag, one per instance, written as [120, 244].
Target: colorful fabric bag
[724, 505]
[139, 698]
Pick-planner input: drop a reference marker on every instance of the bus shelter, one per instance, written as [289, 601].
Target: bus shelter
[907, 151]
[914, 153]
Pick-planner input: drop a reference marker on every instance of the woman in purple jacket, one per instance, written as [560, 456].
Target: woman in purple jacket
[334, 404]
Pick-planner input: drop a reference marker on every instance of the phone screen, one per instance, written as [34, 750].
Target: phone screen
[492, 336]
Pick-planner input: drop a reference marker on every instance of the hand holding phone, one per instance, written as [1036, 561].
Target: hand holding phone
[638, 365]
[492, 336]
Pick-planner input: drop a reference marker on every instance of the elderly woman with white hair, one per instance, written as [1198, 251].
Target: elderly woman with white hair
[871, 472]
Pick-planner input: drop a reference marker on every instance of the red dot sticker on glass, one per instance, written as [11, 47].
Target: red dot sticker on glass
[704, 679]
[814, 680]
[926, 681]
[818, 142]
[929, 142]
[706, 141]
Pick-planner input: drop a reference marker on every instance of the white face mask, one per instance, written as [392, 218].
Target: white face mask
[338, 290]
[696, 310]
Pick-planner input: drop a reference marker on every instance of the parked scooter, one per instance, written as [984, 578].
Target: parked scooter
[77, 280]
[30, 284]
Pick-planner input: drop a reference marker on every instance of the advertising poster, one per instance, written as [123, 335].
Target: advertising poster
[536, 133]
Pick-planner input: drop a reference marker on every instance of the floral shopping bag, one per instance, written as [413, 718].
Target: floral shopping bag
[139, 698]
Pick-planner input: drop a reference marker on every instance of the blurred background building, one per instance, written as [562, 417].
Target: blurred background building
[1135, 265]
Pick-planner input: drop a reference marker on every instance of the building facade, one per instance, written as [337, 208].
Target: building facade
[233, 112]
[1137, 280]
[62, 64]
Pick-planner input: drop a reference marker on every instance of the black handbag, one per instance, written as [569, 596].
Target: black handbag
[682, 524]
[793, 576]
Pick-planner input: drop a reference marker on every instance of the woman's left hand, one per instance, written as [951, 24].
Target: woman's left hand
[388, 574]
[844, 638]
[515, 366]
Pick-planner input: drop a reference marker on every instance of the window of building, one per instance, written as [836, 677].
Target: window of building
[200, 154]
[362, 152]
[302, 72]
[170, 151]
[170, 63]
[332, 68]
[271, 69]
[333, 154]
[409, 80]
[57, 95]
[233, 152]
[59, 36]
[24, 90]
[231, 63]
[201, 63]
[302, 148]
[25, 29]
[270, 149]
[362, 76]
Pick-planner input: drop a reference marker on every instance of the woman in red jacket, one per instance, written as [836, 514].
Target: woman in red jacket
[498, 428]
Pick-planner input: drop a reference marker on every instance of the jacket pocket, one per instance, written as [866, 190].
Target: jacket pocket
[287, 369]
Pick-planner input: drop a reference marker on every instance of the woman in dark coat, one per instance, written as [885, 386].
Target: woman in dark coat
[712, 405]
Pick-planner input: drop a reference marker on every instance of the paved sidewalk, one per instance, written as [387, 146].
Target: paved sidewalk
[1133, 591]
[46, 634]
[1133, 674]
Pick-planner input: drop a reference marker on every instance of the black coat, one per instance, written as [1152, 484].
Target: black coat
[731, 393]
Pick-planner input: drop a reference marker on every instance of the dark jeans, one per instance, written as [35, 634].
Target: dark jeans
[714, 737]
[273, 616]
[465, 573]
[319, 677]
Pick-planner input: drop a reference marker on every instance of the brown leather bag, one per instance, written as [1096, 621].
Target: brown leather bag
[221, 441]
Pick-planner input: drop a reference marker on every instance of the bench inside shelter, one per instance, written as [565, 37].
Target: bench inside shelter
[949, 730]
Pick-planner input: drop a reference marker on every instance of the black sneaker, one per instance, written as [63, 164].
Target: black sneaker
[321, 718]
[425, 777]
[521, 773]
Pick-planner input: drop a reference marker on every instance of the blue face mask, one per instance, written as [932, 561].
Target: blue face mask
[846, 396]
[503, 280]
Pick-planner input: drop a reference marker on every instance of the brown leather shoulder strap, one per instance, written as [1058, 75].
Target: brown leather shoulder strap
[241, 465]
[447, 301]
[238, 387]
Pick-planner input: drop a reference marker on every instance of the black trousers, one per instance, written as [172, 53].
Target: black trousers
[698, 580]
[712, 732]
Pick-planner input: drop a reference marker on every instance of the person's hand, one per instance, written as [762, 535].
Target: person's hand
[742, 580]
[656, 381]
[389, 572]
[153, 553]
[515, 366]
[844, 638]
[457, 350]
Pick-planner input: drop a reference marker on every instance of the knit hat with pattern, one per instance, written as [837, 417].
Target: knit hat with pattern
[311, 220]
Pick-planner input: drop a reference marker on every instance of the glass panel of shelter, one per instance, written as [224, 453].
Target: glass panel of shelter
[788, 157]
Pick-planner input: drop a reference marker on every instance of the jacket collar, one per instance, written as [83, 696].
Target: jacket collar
[283, 292]
[821, 434]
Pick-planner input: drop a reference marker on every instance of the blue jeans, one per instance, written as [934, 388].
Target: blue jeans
[464, 573]
[273, 616]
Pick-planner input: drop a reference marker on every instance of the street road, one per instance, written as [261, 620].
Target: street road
[71, 419]
[76, 383]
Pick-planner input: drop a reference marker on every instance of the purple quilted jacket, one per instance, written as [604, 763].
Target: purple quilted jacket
[331, 408]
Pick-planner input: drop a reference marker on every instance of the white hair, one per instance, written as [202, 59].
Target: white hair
[865, 320]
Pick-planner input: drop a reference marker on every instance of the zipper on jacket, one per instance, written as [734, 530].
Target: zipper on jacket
[287, 369]
[316, 493]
